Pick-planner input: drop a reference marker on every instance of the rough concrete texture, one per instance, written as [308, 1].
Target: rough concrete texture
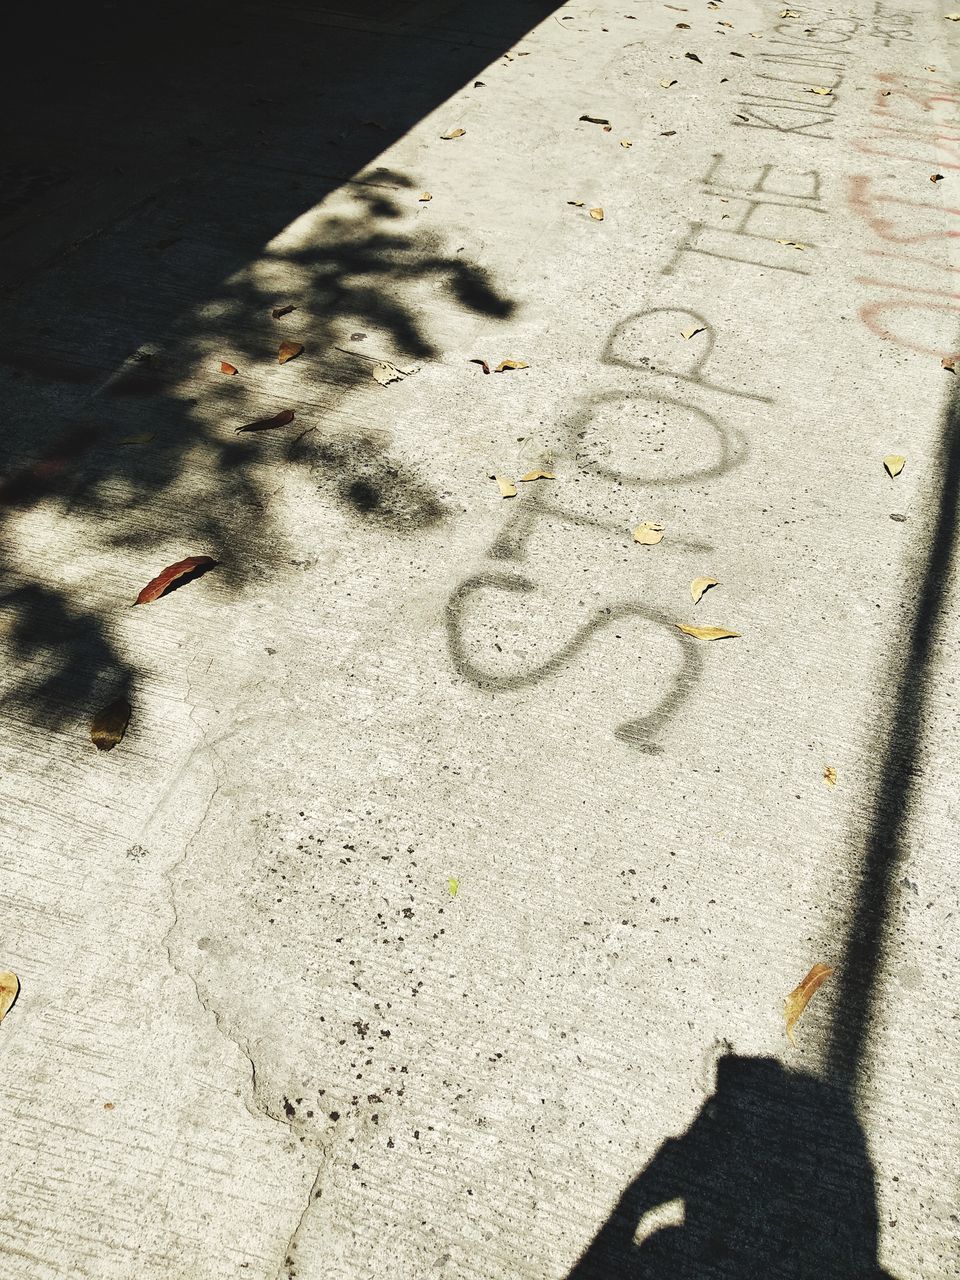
[258, 1036]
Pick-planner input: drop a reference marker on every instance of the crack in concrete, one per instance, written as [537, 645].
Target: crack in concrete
[287, 1268]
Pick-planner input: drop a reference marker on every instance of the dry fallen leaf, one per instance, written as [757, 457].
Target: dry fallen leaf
[789, 13]
[792, 244]
[141, 439]
[706, 633]
[626, 143]
[229, 369]
[109, 725]
[694, 58]
[174, 576]
[649, 533]
[577, 204]
[894, 464]
[948, 363]
[757, 35]
[453, 884]
[929, 68]
[699, 587]
[454, 133]
[384, 372]
[507, 488]
[504, 365]
[9, 990]
[266, 424]
[800, 996]
[482, 363]
[594, 120]
[830, 775]
[277, 312]
[936, 177]
[596, 214]
[666, 84]
[537, 475]
[289, 351]
[818, 88]
[683, 26]
[424, 197]
[692, 331]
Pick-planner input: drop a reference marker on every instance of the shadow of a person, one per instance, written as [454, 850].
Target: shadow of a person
[776, 1184]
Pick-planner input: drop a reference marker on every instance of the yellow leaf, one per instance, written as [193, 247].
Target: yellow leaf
[510, 364]
[800, 996]
[507, 488]
[110, 724]
[626, 144]
[818, 88]
[699, 586]
[649, 533]
[453, 884]
[597, 215]
[666, 84]
[692, 331]
[425, 197]
[830, 775]
[894, 463]
[792, 244]
[9, 990]
[454, 133]
[706, 633]
[537, 475]
[577, 204]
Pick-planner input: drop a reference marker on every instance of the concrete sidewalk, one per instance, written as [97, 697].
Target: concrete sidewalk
[436, 913]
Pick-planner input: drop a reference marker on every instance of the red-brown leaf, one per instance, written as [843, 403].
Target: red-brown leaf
[483, 365]
[277, 312]
[265, 424]
[227, 368]
[173, 576]
[289, 351]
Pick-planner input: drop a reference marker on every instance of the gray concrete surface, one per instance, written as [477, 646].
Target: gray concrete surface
[257, 1036]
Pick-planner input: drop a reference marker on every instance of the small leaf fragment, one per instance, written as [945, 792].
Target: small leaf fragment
[894, 464]
[9, 990]
[228, 369]
[424, 197]
[453, 884]
[596, 214]
[692, 331]
[694, 57]
[145, 438]
[266, 424]
[818, 88]
[699, 587]
[110, 724]
[507, 488]
[649, 533]
[385, 374]
[482, 363]
[666, 84]
[454, 133]
[537, 475]
[289, 351]
[277, 312]
[789, 13]
[626, 144]
[173, 576]
[594, 120]
[792, 244]
[936, 177]
[949, 363]
[683, 26]
[504, 365]
[577, 204]
[706, 633]
[830, 775]
[800, 996]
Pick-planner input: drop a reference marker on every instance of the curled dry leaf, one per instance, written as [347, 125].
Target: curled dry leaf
[454, 133]
[706, 633]
[507, 488]
[9, 990]
[792, 244]
[482, 363]
[577, 204]
[626, 144]
[267, 424]
[228, 369]
[949, 363]
[175, 575]
[700, 586]
[830, 775]
[818, 88]
[649, 533]
[894, 464]
[277, 312]
[667, 84]
[694, 57]
[384, 372]
[936, 177]
[109, 725]
[289, 351]
[537, 475]
[504, 365]
[424, 196]
[683, 26]
[594, 120]
[453, 884]
[800, 996]
[692, 331]
[596, 214]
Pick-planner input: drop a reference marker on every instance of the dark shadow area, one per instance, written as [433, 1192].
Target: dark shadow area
[155, 155]
[775, 1183]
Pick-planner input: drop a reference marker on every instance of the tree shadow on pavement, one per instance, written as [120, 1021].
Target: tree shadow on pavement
[775, 1183]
